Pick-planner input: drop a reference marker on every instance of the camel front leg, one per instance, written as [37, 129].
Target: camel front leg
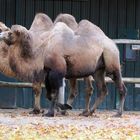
[53, 82]
[37, 92]
[72, 95]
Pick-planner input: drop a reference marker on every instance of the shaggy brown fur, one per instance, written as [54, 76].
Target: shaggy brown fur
[46, 23]
[6, 69]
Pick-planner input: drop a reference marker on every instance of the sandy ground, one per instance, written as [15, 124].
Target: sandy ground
[100, 119]
[99, 126]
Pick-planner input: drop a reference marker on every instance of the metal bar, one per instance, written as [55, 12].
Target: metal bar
[126, 41]
[29, 85]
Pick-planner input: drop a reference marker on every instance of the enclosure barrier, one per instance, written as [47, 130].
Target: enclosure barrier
[29, 85]
[108, 80]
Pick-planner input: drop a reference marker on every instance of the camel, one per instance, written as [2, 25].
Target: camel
[70, 21]
[6, 69]
[52, 65]
[46, 24]
[42, 19]
[64, 46]
[111, 58]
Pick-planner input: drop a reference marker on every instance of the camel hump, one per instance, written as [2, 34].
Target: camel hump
[68, 19]
[62, 29]
[41, 22]
[87, 27]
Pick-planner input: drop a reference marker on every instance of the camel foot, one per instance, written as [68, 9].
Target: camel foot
[62, 112]
[85, 113]
[48, 114]
[118, 115]
[36, 111]
[64, 106]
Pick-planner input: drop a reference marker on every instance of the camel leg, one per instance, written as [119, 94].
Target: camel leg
[72, 95]
[73, 92]
[53, 81]
[37, 91]
[89, 92]
[117, 78]
[101, 86]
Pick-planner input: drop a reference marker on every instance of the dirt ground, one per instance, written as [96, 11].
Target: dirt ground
[18, 124]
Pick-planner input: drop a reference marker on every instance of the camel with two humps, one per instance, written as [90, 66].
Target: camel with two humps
[70, 21]
[79, 33]
[5, 51]
[55, 62]
[111, 59]
[41, 24]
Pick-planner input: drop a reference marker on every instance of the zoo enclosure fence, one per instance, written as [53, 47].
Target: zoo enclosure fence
[132, 81]
[125, 79]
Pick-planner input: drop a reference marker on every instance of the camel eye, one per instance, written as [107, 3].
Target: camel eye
[0, 30]
[7, 29]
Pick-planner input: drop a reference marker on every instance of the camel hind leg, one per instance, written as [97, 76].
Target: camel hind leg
[117, 78]
[99, 78]
[73, 92]
[89, 92]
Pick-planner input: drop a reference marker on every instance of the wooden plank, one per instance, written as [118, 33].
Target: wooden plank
[76, 10]
[137, 7]
[121, 15]
[85, 14]
[30, 12]
[20, 12]
[126, 41]
[57, 8]
[39, 6]
[10, 12]
[29, 85]
[130, 14]
[67, 5]
[48, 8]
[103, 23]
[3, 10]
[112, 18]
[94, 11]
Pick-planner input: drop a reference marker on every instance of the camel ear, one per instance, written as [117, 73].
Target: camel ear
[17, 32]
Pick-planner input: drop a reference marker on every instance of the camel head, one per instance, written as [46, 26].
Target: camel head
[18, 37]
[17, 34]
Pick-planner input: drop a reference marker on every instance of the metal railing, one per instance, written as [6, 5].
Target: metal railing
[125, 79]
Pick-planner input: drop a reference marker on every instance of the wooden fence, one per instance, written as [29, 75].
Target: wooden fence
[125, 79]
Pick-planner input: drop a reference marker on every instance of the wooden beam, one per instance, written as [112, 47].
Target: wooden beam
[29, 85]
[126, 41]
